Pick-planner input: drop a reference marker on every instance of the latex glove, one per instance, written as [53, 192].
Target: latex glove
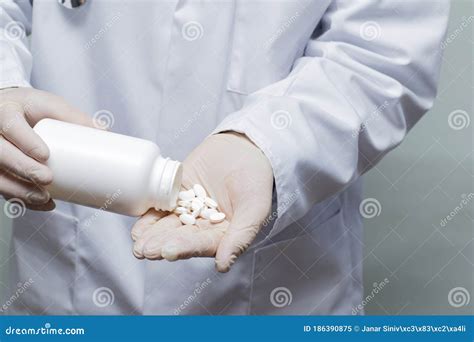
[23, 174]
[239, 177]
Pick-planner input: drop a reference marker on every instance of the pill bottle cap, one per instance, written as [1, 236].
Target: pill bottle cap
[169, 175]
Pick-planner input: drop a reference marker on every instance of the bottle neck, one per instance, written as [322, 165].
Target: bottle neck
[165, 184]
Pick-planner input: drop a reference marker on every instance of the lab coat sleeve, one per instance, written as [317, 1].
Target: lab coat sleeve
[15, 56]
[360, 86]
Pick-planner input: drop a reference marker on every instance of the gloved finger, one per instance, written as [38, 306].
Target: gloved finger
[39, 104]
[145, 222]
[187, 241]
[19, 164]
[161, 227]
[233, 244]
[152, 247]
[157, 237]
[243, 228]
[16, 129]
[12, 187]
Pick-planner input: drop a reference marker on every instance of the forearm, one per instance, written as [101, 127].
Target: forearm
[347, 102]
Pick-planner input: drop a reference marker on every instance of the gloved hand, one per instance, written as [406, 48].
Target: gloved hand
[22, 152]
[239, 177]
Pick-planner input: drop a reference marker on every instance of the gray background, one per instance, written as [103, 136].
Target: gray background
[417, 185]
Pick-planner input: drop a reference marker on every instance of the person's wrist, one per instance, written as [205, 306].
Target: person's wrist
[247, 143]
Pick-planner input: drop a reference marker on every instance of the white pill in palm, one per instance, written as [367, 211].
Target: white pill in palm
[186, 195]
[206, 213]
[187, 219]
[181, 210]
[199, 191]
[210, 202]
[217, 217]
[196, 213]
[196, 204]
[186, 204]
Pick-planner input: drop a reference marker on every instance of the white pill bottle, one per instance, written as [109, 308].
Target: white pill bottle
[114, 172]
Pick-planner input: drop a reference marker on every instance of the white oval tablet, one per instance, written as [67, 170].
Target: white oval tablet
[181, 210]
[196, 213]
[186, 204]
[199, 191]
[187, 219]
[206, 213]
[210, 203]
[217, 217]
[186, 195]
[196, 204]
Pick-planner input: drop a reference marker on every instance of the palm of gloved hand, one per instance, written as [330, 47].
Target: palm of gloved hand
[239, 177]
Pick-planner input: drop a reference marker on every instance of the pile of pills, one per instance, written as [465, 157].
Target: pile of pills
[194, 203]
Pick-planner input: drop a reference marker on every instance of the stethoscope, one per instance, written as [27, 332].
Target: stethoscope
[72, 3]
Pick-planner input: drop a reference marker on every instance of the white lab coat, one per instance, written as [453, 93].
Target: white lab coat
[325, 88]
